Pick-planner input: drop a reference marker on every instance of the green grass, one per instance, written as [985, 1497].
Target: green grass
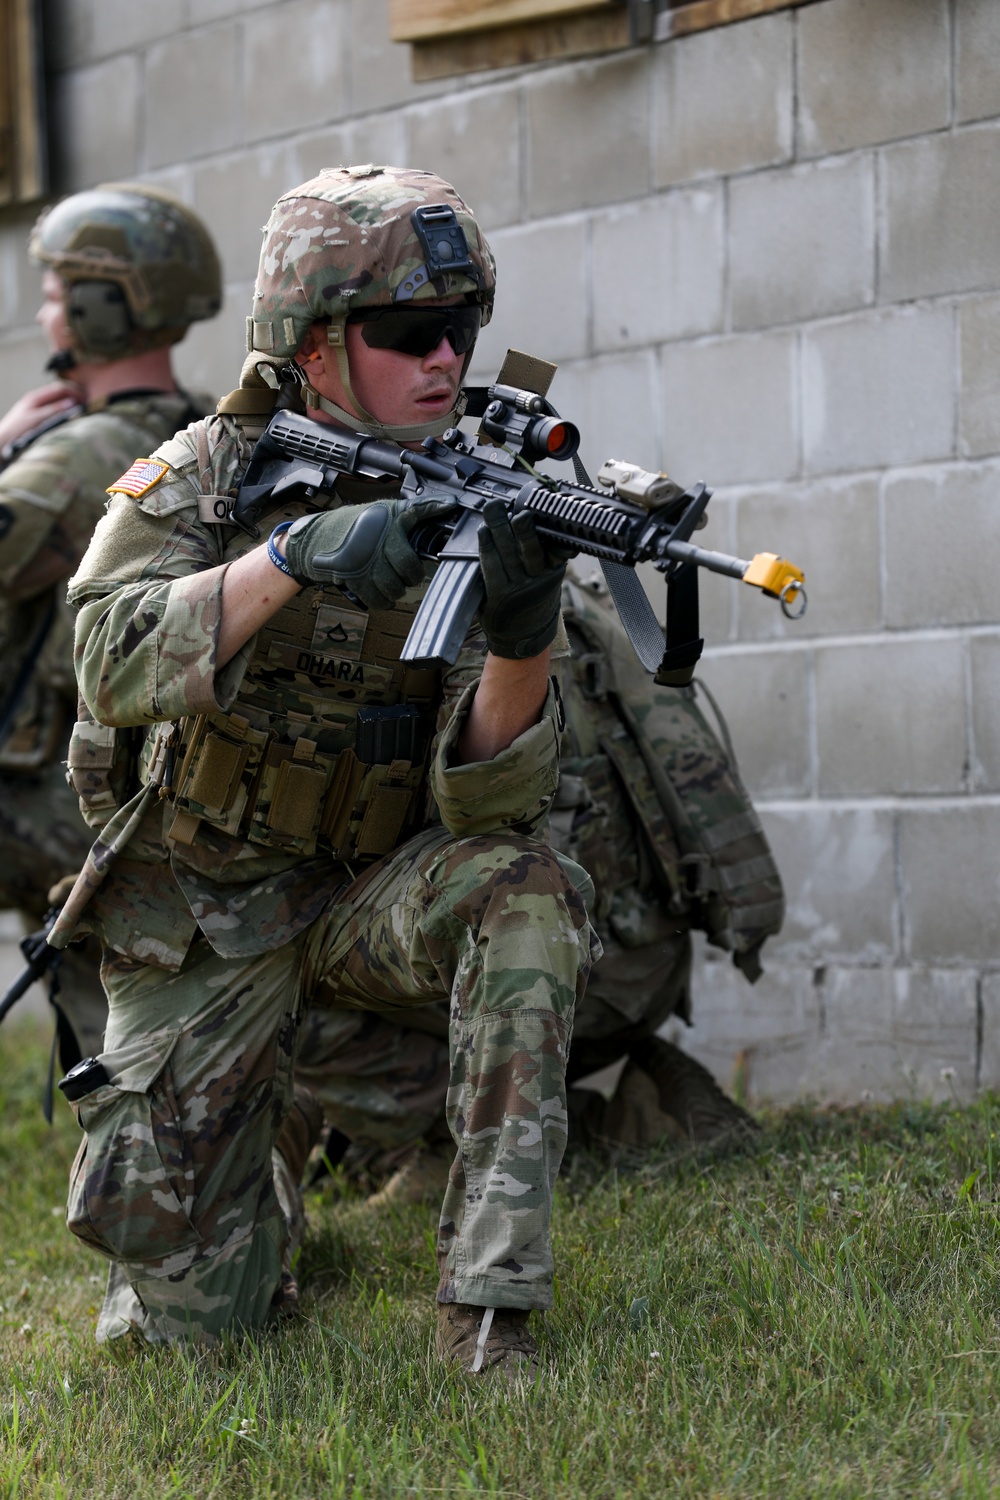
[819, 1319]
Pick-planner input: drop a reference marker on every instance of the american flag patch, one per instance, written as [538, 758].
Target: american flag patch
[144, 473]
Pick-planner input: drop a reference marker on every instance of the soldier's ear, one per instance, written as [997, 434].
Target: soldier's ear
[309, 348]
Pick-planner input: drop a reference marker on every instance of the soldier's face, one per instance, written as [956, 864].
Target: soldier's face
[52, 313]
[397, 389]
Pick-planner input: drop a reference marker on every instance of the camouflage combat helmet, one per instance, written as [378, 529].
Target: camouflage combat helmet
[361, 237]
[137, 264]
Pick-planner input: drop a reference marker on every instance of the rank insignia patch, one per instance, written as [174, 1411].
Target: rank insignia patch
[144, 473]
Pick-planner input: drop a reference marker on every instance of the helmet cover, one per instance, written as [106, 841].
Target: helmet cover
[347, 239]
[146, 243]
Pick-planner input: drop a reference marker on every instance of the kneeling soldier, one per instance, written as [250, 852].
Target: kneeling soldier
[340, 829]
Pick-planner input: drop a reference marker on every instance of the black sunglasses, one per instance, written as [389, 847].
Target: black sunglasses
[419, 330]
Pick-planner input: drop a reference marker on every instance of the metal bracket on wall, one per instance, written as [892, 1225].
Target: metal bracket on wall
[642, 20]
[662, 20]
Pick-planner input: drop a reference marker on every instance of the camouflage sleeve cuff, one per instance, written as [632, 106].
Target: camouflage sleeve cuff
[187, 681]
[511, 791]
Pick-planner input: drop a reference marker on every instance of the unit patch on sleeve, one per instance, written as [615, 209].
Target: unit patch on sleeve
[138, 480]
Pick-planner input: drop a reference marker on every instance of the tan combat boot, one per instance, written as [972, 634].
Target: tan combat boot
[299, 1133]
[421, 1178]
[482, 1339]
[690, 1094]
[301, 1130]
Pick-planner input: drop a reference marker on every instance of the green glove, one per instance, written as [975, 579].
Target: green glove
[363, 548]
[520, 613]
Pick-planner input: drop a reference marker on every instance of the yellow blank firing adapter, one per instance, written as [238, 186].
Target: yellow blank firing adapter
[780, 579]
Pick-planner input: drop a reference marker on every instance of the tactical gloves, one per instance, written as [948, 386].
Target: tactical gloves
[520, 613]
[363, 548]
[366, 549]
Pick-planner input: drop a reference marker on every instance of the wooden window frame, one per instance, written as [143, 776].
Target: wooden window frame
[464, 36]
[23, 144]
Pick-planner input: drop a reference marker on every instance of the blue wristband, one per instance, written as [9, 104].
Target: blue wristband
[272, 551]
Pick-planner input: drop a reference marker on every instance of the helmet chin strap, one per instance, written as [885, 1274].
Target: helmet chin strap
[375, 428]
[361, 420]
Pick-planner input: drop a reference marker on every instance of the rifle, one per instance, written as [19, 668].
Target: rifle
[40, 960]
[631, 516]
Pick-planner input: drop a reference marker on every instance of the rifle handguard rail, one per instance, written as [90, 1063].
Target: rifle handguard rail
[633, 515]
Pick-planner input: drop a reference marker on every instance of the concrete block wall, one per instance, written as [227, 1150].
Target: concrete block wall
[765, 255]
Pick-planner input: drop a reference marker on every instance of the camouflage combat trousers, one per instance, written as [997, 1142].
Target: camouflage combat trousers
[383, 1082]
[174, 1179]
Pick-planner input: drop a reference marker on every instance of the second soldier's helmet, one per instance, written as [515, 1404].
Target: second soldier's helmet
[137, 264]
[354, 238]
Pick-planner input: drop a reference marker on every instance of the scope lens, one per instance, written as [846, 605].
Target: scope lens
[551, 438]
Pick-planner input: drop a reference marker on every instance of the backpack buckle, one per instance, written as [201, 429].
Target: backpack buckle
[592, 674]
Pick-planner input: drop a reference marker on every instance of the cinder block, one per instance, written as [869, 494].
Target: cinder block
[335, 147]
[989, 1054]
[12, 243]
[95, 120]
[375, 138]
[938, 212]
[385, 66]
[951, 881]
[935, 1026]
[765, 698]
[235, 196]
[830, 531]
[658, 269]
[870, 70]
[722, 100]
[295, 68]
[942, 534]
[22, 358]
[613, 401]
[474, 141]
[541, 295]
[802, 242]
[890, 717]
[767, 1033]
[878, 389]
[897, 1034]
[588, 134]
[122, 26]
[837, 867]
[69, 30]
[984, 653]
[221, 10]
[211, 356]
[977, 59]
[20, 278]
[856, 1058]
[178, 180]
[979, 376]
[192, 96]
[730, 408]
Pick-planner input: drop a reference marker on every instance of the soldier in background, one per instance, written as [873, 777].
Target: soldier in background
[127, 269]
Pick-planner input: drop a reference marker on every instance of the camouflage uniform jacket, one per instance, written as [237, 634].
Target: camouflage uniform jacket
[52, 494]
[271, 786]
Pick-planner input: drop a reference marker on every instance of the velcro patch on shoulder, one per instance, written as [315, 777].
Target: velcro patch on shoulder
[140, 479]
